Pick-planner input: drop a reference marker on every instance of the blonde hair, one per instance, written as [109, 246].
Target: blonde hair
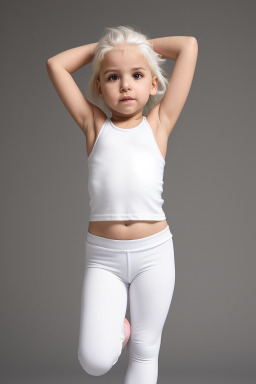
[125, 35]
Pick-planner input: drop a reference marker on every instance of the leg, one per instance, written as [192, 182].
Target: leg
[151, 293]
[104, 302]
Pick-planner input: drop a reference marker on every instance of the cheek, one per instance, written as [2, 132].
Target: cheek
[107, 91]
[111, 88]
[144, 88]
[144, 92]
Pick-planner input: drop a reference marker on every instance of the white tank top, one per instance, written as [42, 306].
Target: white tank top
[126, 170]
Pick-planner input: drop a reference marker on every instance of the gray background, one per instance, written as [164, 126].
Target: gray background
[209, 193]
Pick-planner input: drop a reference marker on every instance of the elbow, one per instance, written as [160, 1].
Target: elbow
[193, 41]
[48, 61]
[49, 66]
[192, 44]
[51, 60]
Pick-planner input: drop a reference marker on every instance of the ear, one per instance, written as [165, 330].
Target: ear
[154, 85]
[98, 88]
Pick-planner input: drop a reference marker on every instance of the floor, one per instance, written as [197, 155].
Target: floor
[111, 378]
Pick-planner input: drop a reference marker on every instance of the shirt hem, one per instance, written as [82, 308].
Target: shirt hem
[126, 217]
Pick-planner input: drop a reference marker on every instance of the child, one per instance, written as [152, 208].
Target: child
[129, 245]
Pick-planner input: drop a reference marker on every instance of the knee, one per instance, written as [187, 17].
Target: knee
[93, 364]
[145, 349]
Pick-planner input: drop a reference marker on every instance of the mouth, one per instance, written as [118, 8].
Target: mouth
[127, 100]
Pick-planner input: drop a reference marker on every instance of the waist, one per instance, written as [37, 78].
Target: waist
[125, 230]
[133, 244]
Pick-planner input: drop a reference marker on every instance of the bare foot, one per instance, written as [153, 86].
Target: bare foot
[127, 332]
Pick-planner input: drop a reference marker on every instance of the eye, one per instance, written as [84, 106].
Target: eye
[135, 75]
[138, 74]
[111, 77]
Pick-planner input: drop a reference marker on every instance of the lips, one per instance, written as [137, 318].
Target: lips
[126, 98]
[126, 101]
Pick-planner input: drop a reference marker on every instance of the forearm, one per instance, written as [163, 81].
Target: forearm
[74, 58]
[171, 46]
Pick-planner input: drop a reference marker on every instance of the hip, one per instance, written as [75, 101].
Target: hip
[150, 257]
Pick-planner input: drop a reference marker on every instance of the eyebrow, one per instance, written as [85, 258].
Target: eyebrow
[116, 70]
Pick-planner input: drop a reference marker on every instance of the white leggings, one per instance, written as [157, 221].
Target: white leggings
[144, 268]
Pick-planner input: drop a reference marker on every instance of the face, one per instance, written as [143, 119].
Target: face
[119, 78]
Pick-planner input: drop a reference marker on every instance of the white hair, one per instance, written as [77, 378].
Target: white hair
[125, 35]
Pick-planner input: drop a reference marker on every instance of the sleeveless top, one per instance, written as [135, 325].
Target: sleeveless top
[126, 169]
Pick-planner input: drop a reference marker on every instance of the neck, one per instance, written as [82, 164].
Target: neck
[135, 118]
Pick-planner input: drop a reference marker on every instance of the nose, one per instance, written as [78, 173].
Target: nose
[125, 85]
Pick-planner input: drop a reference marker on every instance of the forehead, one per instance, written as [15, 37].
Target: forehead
[124, 57]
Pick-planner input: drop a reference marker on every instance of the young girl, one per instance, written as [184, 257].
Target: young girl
[129, 245]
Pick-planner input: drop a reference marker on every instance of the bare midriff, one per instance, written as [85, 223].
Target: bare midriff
[126, 230]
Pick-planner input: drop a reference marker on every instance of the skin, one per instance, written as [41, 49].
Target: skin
[162, 118]
[113, 86]
[124, 81]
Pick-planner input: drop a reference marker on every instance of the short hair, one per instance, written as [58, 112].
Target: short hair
[126, 35]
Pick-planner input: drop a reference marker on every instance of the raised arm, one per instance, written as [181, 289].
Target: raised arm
[184, 50]
[59, 68]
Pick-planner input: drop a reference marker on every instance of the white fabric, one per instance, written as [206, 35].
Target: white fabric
[126, 170]
[142, 268]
